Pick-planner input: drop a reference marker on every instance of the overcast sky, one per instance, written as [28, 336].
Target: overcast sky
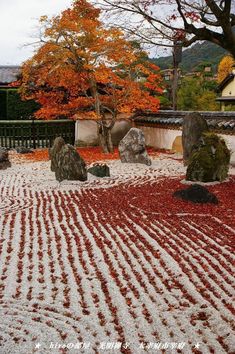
[18, 26]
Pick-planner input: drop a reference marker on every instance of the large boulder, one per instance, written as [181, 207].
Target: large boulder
[209, 160]
[66, 162]
[193, 127]
[99, 170]
[4, 159]
[132, 148]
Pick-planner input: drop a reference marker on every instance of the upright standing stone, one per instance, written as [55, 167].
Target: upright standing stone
[70, 165]
[53, 152]
[193, 127]
[132, 148]
[66, 162]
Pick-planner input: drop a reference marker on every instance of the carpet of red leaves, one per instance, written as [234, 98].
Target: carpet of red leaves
[159, 199]
[89, 154]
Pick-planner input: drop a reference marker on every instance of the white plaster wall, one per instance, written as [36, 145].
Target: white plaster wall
[163, 139]
[160, 138]
[86, 131]
[229, 90]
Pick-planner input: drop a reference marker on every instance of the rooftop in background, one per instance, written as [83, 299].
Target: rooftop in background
[217, 121]
[8, 74]
[226, 81]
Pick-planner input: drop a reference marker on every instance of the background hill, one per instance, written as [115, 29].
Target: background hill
[193, 57]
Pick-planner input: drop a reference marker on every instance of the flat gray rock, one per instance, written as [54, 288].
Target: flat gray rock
[99, 170]
[23, 150]
[196, 194]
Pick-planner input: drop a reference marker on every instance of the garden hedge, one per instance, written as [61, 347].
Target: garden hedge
[13, 108]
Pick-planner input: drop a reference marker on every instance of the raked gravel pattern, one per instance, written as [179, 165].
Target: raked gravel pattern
[86, 264]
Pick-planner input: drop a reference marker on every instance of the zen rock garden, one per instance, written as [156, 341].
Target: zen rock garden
[114, 239]
[68, 164]
[205, 155]
[124, 234]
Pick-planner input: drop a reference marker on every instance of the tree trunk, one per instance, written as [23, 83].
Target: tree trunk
[104, 125]
[175, 88]
[104, 134]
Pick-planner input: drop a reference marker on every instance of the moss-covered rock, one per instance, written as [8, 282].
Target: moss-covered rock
[209, 160]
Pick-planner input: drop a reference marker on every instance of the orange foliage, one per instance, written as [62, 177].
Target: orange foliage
[225, 67]
[84, 70]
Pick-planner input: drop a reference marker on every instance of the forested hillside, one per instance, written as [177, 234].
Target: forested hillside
[200, 53]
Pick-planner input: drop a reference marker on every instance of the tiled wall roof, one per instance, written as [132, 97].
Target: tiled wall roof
[224, 121]
[8, 74]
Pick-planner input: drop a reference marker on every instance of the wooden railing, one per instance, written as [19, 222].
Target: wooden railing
[35, 133]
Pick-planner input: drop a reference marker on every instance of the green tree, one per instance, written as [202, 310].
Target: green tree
[187, 94]
[197, 94]
[206, 101]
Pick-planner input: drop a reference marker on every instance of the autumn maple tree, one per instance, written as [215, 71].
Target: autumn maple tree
[158, 22]
[83, 70]
[225, 67]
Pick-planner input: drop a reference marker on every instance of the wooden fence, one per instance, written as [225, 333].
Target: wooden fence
[35, 133]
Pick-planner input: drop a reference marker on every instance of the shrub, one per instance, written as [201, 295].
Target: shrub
[13, 108]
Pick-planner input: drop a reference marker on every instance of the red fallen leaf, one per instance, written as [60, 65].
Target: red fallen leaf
[85, 312]
[36, 319]
[200, 316]
[63, 336]
[128, 301]
[49, 323]
[66, 304]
